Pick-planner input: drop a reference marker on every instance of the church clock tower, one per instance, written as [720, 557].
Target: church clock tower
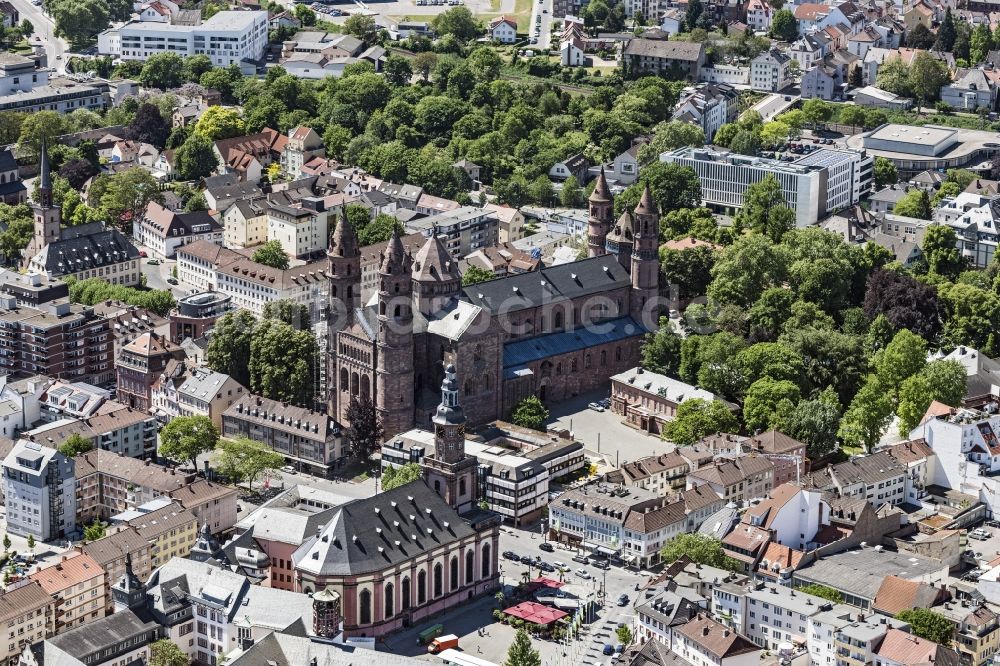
[450, 472]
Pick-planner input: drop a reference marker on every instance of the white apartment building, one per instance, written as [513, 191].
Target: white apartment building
[198, 264]
[848, 175]
[227, 38]
[977, 231]
[301, 230]
[725, 177]
[705, 642]
[793, 514]
[25, 88]
[245, 224]
[39, 488]
[769, 71]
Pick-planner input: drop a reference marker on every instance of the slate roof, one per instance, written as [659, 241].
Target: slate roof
[86, 247]
[102, 634]
[549, 285]
[526, 351]
[363, 536]
[655, 48]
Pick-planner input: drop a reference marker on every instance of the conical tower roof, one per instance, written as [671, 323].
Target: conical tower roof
[601, 193]
[44, 172]
[646, 204]
[344, 241]
[394, 255]
[433, 263]
[623, 230]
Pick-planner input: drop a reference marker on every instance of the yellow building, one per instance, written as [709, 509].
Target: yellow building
[171, 532]
[977, 631]
[28, 613]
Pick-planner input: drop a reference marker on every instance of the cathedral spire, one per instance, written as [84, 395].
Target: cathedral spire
[344, 240]
[601, 190]
[646, 205]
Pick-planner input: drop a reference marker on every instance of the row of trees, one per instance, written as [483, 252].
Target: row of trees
[240, 460]
[96, 290]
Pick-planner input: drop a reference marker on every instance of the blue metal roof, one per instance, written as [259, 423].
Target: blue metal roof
[525, 351]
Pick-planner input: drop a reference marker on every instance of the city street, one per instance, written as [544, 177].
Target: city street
[537, 7]
[55, 48]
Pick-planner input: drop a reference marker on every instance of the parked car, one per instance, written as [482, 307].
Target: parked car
[153, 262]
[172, 280]
[288, 469]
[623, 600]
[596, 407]
[545, 566]
[601, 564]
[582, 559]
[560, 565]
[609, 649]
[547, 547]
[582, 573]
[511, 555]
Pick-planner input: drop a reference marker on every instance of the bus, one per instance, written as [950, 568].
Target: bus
[456, 658]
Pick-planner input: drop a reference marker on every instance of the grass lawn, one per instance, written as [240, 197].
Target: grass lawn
[522, 13]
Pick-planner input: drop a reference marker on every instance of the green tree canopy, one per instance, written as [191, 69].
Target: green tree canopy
[184, 438]
[885, 172]
[823, 592]
[165, 652]
[520, 652]
[697, 418]
[245, 459]
[394, 477]
[271, 254]
[74, 445]
[530, 413]
[661, 350]
[475, 275]
[927, 624]
[365, 431]
[943, 381]
[700, 549]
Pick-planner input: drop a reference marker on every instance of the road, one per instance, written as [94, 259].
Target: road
[55, 48]
[537, 7]
[774, 104]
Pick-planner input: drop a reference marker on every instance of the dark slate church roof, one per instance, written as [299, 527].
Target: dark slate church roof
[383, 531]
[525, 351]
[558, 283]
[86, 246]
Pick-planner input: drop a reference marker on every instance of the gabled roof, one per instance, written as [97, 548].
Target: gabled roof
[898, 594]
[716, 639]
[909, 650]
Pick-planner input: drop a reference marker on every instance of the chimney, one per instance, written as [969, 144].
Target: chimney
[705, 631]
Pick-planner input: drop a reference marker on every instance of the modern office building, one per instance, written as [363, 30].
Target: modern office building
[39, 487]
[228, 38]
[195, 315]
[820, 183]
[928, 147]
[26, 88]
[463, 230]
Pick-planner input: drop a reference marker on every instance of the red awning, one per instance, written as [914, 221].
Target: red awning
[529, 611]
[541, 581]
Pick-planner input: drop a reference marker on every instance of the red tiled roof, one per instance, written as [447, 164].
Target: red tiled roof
[529, 611]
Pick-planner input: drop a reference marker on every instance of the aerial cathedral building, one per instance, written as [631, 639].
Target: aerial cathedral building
[552, 333]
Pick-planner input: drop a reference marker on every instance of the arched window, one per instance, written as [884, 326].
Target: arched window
[396, 312]
[586, 360]
[487, 382]
[468, 387]
[558, 369]
[604, 357]
[487, 563]
[365, 607]
[333, 290]
[618, 353]
[350, 287]
[559, 319]
[405, 593]
[355, 383]
[365, 386]
[389, 599]
[461, 487]
[572, 365]
[421, 587]
[454, 574]
[437, 487]
[470, 565]
[344, 381]
[438, 580]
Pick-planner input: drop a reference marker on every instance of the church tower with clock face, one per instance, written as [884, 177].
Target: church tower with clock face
[450, 472]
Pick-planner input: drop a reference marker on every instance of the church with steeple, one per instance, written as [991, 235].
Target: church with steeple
[553, 333]
[47, 216]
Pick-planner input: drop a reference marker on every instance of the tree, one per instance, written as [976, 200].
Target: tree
[927, 76]
[903, 357]
[700, 549]
[394, 477]
[365, 432]
[520, 652]
[946, 33]
[20, 229]
[571, 195]
[624, 635]
[745, 142]
[941, 381]
[971, 314]
[885, 172]
[457, 21]
[195, 158]
[149, 125]
[905, 302]
[867, 416]
[784, 26]
[163, 70]
[94, 531]
[980, 44]
[673, 187]
[697, 418]
[749, 266]
[769, 313]
[694, 11]
[165, 652]
[815, 424]
[291, 312]
[220, 122]
[74, 445]
[397, 70]
[77, 172]
[769, 403]
[271, 254]
[475, 275]
[823, 592]
[6, 542]
[940, 248]
[530, 413]
[31, 537]
[816, 111]
[765, 211]
[915, 203]
[380, 230]
[927, 624]
[894, 76]
[283, 363]
[80, 21]
[920, 38]
[361, 26]
[245, 459]
[670, 135]
[37, 126]
[184, 438]
[128, 193]
[661, 350]
[774, 134]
